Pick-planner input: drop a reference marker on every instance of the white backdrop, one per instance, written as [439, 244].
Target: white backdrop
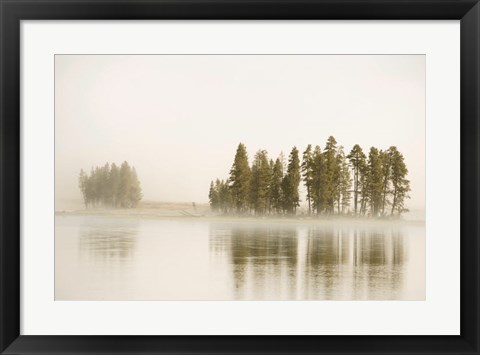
[438, 40]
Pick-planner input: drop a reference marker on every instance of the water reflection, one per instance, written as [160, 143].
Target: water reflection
[263, 257]
[109, 258]
[108, 242]
[302, 262]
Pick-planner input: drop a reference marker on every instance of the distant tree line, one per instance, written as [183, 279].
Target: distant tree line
[377, 183]
[110, 186]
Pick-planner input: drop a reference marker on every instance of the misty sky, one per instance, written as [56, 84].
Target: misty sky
[179, 119]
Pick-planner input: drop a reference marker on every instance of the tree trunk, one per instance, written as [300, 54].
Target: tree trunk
[384, 200]
[308, 198]
[394, 200]
[355, 190]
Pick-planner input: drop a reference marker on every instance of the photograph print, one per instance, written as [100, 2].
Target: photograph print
[239, 177]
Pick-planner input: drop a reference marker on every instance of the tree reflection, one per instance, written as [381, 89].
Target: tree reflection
[265, 257]
[271, 262]
[354, 264]
[107, 242]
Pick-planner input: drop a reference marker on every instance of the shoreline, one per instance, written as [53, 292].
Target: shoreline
[183, 215]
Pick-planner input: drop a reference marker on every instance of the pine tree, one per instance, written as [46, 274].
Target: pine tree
[363, 184]
[240, 180]
[291, 182]
[225, 199]
[103, 184]
[124, 185]
[269, 194]
[374, 183]
[318, 181]
[401, 186]
[307, 168]
[358, 162]
[82, 184]
[135, 191]
[260, 182]
[386, 160]
[331, 174]
[95, 186]
[213, 197]
[344, 182]
[90, 190]
[276, 186]
[219, 196]
[113, 185]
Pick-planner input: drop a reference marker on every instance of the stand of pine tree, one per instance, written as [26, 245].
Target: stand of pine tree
[377, 183]
[110, 186]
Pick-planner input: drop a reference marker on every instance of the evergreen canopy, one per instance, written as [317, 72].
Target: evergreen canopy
[110, 186]
[378, 183]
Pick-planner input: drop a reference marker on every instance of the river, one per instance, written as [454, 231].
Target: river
[121, 258]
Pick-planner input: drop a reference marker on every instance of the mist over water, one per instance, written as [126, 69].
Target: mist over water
[115, 258]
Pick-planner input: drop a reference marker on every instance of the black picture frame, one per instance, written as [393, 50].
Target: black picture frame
[13, 11]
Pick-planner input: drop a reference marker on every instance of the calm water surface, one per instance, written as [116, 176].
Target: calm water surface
[111, 258]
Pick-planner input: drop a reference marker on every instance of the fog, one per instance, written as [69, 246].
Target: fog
[179, 119]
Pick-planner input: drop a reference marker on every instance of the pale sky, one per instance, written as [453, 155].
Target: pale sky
[178, 119]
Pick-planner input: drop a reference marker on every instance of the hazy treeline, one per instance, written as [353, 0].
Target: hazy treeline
[335, 182]
[110, 186]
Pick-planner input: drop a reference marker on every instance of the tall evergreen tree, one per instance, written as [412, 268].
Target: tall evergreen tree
[344, 182]
[260, 182]
[219, 196]
[291, 182]
[358, 163]
[374, 181]
[103, 185]
[83, 185]
[225, 198]
[307, 168]
[276, 186]
[113, 185]
[269, 194]
[135, 191]
[91, 188]
[386, 161]
[401, 185]
[99, 186]
[318, 181]
[124, 185]
[331, 169]
[240, 180]
[213, 196]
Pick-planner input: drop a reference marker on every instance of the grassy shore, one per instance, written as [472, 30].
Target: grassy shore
[188, 211]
